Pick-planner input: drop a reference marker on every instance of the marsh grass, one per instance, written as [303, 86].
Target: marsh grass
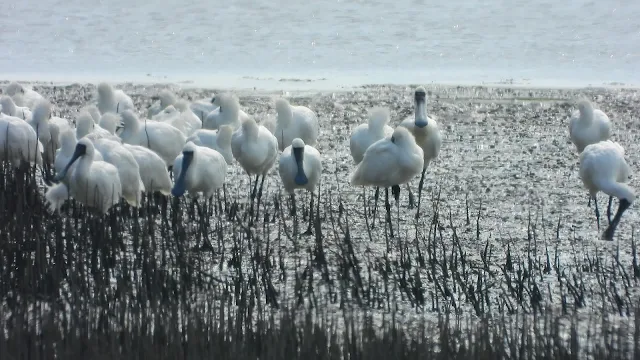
[184, 278]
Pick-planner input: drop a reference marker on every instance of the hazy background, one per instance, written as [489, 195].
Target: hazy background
[343, 41]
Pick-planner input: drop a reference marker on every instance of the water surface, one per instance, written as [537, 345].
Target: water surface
[339, 41]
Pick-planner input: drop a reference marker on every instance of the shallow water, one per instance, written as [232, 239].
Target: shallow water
[239, 42]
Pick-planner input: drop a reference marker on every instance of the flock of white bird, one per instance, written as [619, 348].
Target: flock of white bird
[109, 153]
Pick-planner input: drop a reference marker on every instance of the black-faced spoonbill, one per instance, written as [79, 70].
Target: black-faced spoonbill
[295, 122]
[111, 100]
[163, 139]
[364, 135]
[603, 168]
[256, 150]
[93, 183]
[300, 167]
[390, 162]
[425, 131]
[218, 140]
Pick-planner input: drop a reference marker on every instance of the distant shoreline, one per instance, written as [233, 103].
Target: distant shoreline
[289, 83]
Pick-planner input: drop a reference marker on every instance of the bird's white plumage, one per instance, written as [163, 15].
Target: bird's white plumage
[311, 164]
[364, 135]
[206, 172]
[65, 152]
[57, 126]
[390, 161]
[428, 137]
[94, 183]
[23, 95]
[181, 117]
[128, 168]
[40, 121]
[254, 147]
[295, 122]
[19, 142]
[108, 125]
[588, 125]
[112, 100]
[603, 168]
[228, 112]
[9, 107]
[202, 108]
[94, 111]
[153, 170]
[163, 139]
[165, 98]
[218, 140]
[84, 124]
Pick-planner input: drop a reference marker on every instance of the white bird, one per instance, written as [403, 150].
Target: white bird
[425, 131]
[64, 154]
[191, 120]
[19, 142]
[164, 139]
[165, 98]
[85, 126]
[181, 117]
[57, 126]
[93, 183]
[228, 112]
[23, 95]
[588, 125]
[128, 169]
[94, 111]
[61, 123]
[111, 100]
[9, 107]
[198, 170]
[202, 108]
[153, 170]
[166, 114]
[256, 150]
[390, 162]
[364, 135]
[300, 167]
[269, 122]
[40, 123]
[109, 122]
[603, 168]
[295, 122]
[218, 140]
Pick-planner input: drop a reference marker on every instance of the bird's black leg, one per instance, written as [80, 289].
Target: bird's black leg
[254, 192]
[420, 192]
[388, 208]
[595, 201]
[311, 216]
[412, 203]
[260, 195]
[624, 205]
[293, 210]
[589, 204]
[253, 196]
[375, 206]
[609, 210]
[395, 190]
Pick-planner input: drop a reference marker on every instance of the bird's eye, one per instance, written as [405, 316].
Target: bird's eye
[393, 139]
